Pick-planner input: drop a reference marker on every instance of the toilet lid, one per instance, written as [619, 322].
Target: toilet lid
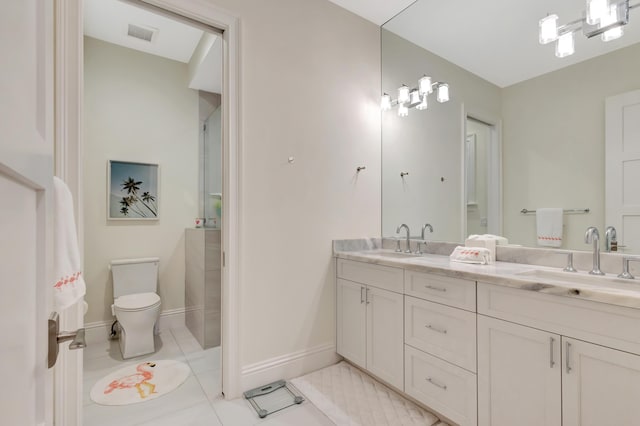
[137, 301]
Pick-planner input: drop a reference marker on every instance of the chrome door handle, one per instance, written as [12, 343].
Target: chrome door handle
[439, 330]
[433, 382]
[567, 364]
[361, 295]
[551, 361]
[367, 298]
[56, 337]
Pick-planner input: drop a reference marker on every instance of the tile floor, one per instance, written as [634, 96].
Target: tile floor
[196, 402]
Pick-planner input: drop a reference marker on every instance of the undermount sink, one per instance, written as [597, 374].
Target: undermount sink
[393, 254]
[582, 278]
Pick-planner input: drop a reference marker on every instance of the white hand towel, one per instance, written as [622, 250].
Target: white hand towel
[549, 227]
[69, 286]
[479, 255]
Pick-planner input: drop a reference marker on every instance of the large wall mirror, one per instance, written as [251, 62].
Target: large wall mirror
[523, 129]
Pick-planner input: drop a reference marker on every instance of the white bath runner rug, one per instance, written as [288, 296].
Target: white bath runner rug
[349, 398]
[139, 382]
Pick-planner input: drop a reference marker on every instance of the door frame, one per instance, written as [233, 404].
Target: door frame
[69, 148]
[494, 171]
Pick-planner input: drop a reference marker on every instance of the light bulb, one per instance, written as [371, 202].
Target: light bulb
[415, 97]
[565, 45]
[596, 11]
[548, 29]
[608, 19]
[403, 111]
[422, 105]
[385, 102]
[424, 85]
[403, 94]
[443, 92]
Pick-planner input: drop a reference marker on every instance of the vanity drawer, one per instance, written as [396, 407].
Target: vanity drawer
[448, 389]
[385, 277]
[607, 325]
[455, 292]
[445, 332]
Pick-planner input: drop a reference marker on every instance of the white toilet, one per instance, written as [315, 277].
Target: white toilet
[136, 305]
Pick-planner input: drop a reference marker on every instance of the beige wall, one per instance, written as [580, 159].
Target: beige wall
[310, 82]
[427, 144]
[137, 107]
[553, 143]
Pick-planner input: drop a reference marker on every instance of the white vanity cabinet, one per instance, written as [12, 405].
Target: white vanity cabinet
[529, 376]
[519, 374]
[600, 386]
[370, 319]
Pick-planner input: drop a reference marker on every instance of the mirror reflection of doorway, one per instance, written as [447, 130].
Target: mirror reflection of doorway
[482, 178]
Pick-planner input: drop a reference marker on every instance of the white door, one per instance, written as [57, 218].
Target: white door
[26, 172]
[599, 385]
[622, 163]
[351, 317]
[385, 335]
[519, 379]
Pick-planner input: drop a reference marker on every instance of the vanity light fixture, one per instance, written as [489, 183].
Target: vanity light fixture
[601, 17]
[415, 97]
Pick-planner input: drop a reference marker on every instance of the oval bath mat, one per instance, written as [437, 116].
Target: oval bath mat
[139, 382]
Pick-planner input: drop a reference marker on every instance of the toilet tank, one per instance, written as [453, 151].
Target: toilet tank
[132, 276]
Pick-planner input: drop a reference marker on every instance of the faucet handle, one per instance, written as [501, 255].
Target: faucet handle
[569, 267]
[625, 267]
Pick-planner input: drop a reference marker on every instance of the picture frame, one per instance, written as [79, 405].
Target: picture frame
[133, 190]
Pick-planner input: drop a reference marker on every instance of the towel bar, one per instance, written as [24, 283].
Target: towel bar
[565, 211]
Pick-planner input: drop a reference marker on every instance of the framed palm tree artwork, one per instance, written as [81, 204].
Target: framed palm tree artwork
[133, 190]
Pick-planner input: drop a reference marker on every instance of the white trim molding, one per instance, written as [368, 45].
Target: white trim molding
[288, 366]
[68, 75]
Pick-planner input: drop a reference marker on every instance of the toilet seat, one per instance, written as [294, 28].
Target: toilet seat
[136, 302]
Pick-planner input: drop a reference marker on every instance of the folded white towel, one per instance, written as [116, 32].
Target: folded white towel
[479, 255]
[549, 227]
[69, 286]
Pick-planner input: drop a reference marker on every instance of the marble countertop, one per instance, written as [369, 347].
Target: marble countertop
[541, 279]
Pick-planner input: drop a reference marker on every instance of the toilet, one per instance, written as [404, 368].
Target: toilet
[136, 305]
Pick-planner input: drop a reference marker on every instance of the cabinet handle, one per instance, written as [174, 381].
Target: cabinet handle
[367, 298]
[551, 361]
[361, 295]
[433, 382]
[435, 288]
[439, 330]
[567, 364]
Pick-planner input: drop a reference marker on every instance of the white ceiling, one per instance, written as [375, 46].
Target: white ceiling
[108, 20]
[494, 39]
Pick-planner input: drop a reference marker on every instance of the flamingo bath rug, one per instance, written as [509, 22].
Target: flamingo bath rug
[139, 382]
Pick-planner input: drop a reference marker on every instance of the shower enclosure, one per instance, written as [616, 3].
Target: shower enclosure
[203, 245]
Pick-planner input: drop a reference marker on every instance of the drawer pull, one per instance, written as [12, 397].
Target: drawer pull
[551, 361]
[439, 330]
[433, 382]
[568, 364]
[361, 295]
[430, 287]
[367, 297]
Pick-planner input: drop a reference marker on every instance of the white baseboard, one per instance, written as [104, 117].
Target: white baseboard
[171, 318]
[288, 366]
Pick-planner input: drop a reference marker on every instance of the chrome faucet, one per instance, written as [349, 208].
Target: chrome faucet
[408, 250]
[610, 238]
[422, 240]
[593, 236]
[625, 267]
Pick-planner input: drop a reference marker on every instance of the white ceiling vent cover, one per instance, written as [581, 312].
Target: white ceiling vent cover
[141, 32]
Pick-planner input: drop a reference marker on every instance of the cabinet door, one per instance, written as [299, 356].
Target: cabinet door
[351, 317]
[600, 386]
[519, 375]
[385, 335]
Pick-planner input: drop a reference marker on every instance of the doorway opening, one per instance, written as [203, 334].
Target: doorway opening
[482, 177]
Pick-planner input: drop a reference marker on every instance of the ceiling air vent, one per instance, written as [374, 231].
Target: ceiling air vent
[142, 33]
